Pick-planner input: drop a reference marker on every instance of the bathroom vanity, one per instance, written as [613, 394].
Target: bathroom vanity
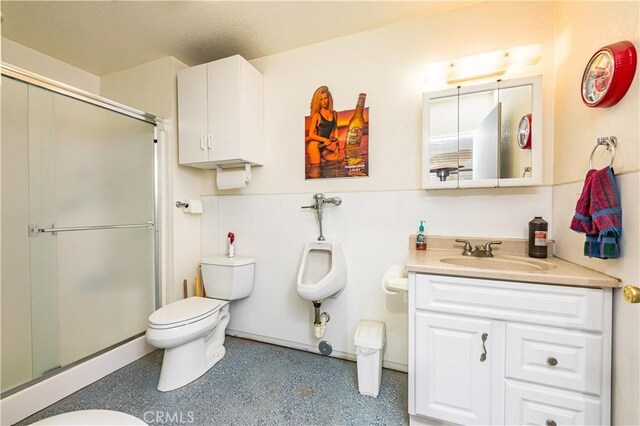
[508, 339]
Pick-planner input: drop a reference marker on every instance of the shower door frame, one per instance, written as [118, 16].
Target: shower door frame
[28, 77]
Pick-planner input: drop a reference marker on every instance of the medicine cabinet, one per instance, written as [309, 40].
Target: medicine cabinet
[483, 136]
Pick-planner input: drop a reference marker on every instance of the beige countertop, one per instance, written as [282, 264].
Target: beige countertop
[512, 252]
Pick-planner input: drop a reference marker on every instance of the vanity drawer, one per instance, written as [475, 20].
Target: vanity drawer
[561, 358]
[569, 307]
[536, 405]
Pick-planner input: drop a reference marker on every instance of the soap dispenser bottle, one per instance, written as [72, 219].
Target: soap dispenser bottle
[421, 241]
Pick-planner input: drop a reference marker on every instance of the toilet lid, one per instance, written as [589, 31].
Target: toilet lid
[185, 311]
[91, 417]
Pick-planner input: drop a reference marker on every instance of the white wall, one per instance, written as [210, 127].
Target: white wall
[47, 66]
[379, 212]
[577, 126]
[152, 87]
[374, 228]
[576, 130]
[387, 64]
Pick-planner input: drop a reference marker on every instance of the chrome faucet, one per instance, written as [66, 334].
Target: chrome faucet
[480, 250]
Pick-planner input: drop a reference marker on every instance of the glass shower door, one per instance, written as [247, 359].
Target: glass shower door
[91, 176]
[84, 270]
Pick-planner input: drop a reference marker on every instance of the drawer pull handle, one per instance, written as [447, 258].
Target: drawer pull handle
[552, 362]
[550, 422]
[483, 356]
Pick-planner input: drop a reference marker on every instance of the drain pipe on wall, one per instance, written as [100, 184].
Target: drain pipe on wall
[320, 320]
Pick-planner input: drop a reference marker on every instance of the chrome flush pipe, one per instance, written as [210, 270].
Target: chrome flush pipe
[320, 320]
[319, 200]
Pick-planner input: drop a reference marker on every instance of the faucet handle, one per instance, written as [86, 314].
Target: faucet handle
[467, 247]
[487, 247]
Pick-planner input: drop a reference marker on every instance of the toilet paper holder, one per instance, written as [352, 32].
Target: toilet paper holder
[190, 206]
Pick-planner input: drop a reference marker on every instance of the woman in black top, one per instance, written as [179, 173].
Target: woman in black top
[323, 130]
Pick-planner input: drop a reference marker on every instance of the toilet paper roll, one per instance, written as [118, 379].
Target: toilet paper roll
[395, 280]
[231, 179]
[195, 207]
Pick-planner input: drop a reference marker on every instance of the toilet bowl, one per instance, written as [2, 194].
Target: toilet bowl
[192, 331]
[323, 271]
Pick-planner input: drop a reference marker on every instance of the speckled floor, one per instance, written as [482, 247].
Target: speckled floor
[254, 384]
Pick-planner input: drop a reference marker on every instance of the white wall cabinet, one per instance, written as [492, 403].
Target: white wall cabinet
[221, 114]
[492, 352]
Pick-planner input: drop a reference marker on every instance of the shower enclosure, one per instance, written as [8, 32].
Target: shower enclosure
[78, 228]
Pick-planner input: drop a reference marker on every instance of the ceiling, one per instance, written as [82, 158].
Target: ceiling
[102, 37]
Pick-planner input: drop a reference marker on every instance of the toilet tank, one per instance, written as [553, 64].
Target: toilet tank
[227, 278]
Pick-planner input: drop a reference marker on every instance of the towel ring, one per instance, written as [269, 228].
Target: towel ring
[610, 142]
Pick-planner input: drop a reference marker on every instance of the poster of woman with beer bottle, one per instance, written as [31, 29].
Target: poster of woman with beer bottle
[336, 142]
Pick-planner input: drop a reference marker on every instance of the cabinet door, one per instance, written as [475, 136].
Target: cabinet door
[192, 115]
[452, 383]
[224, 115]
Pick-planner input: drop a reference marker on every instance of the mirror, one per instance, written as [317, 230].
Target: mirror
[483, 136]
[515, 148]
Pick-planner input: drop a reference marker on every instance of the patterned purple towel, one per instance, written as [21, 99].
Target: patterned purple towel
[599, 215]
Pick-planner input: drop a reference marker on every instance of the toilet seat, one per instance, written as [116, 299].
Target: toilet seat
[184, 312]
[91, 417]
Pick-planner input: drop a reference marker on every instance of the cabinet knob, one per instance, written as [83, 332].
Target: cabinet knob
[209, 142]
[202, 141]
[552, 362]
[550, 422]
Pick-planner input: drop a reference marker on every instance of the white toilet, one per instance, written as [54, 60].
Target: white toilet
[91, 417]
[192, 330]
[323, 271]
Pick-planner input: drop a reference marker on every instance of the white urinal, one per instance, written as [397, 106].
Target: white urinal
[323, 271]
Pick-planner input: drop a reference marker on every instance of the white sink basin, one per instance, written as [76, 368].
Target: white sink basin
[499, 263]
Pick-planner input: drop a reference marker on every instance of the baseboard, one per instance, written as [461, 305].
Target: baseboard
[423, 421]
[310, 348]
[24, 403]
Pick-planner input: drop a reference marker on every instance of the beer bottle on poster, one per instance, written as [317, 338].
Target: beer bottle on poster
[356, 124]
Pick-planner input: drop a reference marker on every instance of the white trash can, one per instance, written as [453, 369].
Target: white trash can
[369, 340]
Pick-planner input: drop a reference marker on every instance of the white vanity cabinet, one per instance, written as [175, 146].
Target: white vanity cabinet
[220, 114]
[496, 352]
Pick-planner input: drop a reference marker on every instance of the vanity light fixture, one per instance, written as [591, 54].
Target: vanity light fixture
[483, 65]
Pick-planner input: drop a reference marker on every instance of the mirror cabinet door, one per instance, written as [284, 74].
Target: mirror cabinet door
[516, 160]
[478, 136]
[440, 166]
